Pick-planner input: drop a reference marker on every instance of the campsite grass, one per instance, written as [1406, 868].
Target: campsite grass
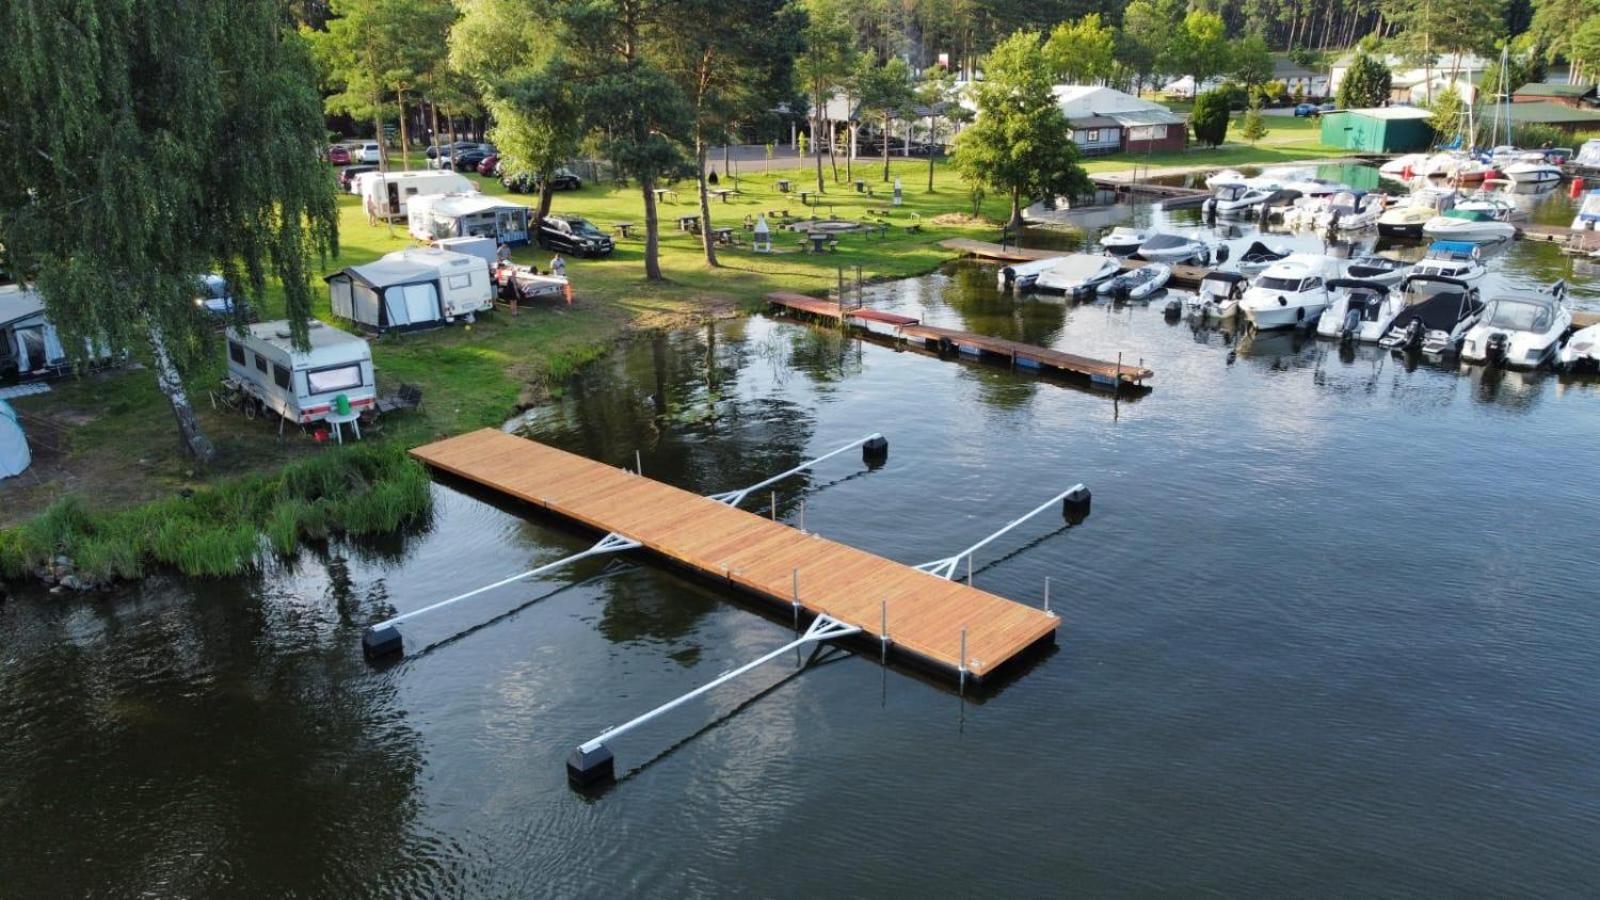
[110, 437]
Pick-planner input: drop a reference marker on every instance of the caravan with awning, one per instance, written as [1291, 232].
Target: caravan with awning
[416, 288]
[30, 347]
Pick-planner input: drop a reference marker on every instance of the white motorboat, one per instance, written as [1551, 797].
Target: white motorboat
[1452, 259]
[1491, 200]
[1350, 211]
[1468, 225]
[1076, 274]
[1123, 240]
[1258, 256]
[1290, 293]
[1218, 295]
[1588, 154]
[1359, 310]
[1381, 269]
[1137, 284]
[1582, 350]
[1588, 217]
[1532, 172]
[1224, 176]
[1235, 198]
[1020, 276]
[1439, 313]
[1406, 166]
[1521, 332]
[1407, 218]
[1171, 248]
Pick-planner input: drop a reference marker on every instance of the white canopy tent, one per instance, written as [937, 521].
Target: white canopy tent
[14, 454]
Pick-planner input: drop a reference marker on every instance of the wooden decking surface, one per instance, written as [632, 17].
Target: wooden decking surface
[989, 250]
[926, 613]
[1020, 352]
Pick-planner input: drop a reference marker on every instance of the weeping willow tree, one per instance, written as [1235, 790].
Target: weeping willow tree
[143, 142]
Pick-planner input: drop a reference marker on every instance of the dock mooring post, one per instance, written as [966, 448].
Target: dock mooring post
[1047, 593]
[774, 506]
[883, 634]
[794, 600]
[963, 667]
[638, 463]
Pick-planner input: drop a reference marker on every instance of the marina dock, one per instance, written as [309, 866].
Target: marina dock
[1016, 353]
[929, 619]
[1182, 276]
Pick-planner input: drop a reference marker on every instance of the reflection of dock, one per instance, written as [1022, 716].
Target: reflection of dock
[1026, 356]
[1182, 276]
[930, 619]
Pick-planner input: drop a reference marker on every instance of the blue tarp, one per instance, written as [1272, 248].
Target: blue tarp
[1465, 249]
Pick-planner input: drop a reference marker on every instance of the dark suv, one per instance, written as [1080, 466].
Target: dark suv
[570, 234]
[527, 183]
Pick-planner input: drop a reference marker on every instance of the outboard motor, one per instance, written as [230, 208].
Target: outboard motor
[1411, 338]
[1205, 257]
[1222, 254]
[1494, 350]
[1008, 276]
[1174, 309]
[1352, 324]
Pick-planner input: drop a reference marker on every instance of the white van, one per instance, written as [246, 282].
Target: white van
[367, 152]
[386, 193]
[302, 387]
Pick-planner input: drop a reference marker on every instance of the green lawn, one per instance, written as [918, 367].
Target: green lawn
[110, 437]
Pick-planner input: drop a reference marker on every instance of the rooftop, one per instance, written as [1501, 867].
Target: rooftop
[1540, 112]
[1387, 112]
[1554, 89]
[321, 335]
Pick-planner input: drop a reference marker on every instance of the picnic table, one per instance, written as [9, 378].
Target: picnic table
[723, 193]
[784, 185]
[819, 241]
[622, 228]
[661, 194]
[724, 234]
[690, 224]
[805, 197]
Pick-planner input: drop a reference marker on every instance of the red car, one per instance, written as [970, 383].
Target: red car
[339, 155]
[489, 164]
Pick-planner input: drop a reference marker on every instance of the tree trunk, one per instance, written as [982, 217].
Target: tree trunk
[383, 149]
[652, 229]
[849, 170]
[433, 133]
[816, 130]
[933, 139]
[171, 385]
[833, 149]
[1016, 210]
[405, 141]
[886, 148]
[547, 194]
[706, 238]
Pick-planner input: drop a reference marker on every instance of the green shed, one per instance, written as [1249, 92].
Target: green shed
[1387, 129]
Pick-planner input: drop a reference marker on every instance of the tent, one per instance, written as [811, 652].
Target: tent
[413, 288]
[14, 455]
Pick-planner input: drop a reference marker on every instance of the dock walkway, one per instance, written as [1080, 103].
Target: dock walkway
[898, 327]
[926, 614]
[1182, 276]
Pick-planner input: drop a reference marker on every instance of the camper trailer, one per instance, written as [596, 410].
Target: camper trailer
[417, 288]
[483, 248]
[469, 215]
[302, 386]
[29, 344]
[388, 193]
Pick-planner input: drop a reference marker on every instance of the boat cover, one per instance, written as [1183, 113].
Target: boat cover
[1259, 252]
[1166, 242]
[1440, 312]
[1453, 250]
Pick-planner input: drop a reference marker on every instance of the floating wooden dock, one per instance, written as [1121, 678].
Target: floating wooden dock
[1182, 276]
[927, 615]
[1027, 356]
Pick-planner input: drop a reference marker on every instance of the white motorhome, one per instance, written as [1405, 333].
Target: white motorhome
[415, 288]
[387, 193]
[302, 386]
[29, 344]
[439, 216]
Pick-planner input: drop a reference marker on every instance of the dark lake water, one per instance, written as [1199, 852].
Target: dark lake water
[1331, 629]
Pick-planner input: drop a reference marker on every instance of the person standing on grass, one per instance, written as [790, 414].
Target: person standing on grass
[558, 266]
[502, 253]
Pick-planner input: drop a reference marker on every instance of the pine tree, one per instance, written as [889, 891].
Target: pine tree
[1252, 127]
[1366, 84]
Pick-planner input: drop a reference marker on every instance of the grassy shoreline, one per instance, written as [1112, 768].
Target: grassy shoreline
[110, 438]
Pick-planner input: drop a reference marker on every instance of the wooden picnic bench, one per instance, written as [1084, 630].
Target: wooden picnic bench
[622, 229]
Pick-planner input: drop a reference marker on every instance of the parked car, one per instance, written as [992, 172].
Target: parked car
[1327, 108]
[489, 164]
[347, 176]
[519, 182]
[565, 180]
[570, 234]
[213, 298]
[339, 155]
[1305, 109]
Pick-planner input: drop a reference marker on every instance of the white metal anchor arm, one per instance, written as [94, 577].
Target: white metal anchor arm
[824, 628]
[734, 498]
[946, 567]
[611, 543]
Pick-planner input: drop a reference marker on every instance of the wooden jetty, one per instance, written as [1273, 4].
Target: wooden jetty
[1182, 276]
[1028, 356]
[929, 618]
[1016, 353]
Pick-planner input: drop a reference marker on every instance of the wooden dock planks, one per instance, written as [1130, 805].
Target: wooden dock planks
[926, 613]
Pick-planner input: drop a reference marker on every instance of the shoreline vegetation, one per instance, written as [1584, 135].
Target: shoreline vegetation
[107, 438]
[228, 528]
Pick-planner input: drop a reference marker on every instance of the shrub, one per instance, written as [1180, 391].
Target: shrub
[1209, 118]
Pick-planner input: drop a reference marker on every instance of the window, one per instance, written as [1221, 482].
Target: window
[1159, 132]
[261, 363]
[1092, 135]
[411, 192]
[336, 378]
[236, 352]
[280, 376]
[458, 282]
